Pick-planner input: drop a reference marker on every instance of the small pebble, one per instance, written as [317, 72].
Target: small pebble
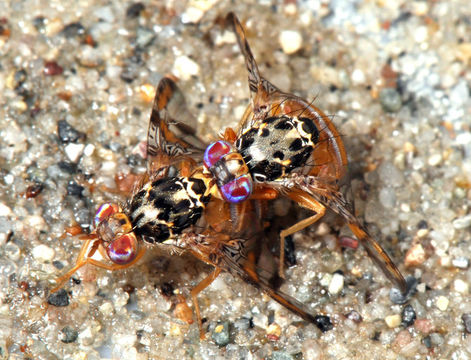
[34, 190]
[442, 303]
[427, 341]
[12, 251]
[243, 323]
[281, 355]
[74, 189]
[390, 100]
[467, 322]
[274, 332]
[221, 335]
[354, 316]
[74, 151]
[43, 253]
[51, 68]
[408, 316]
[69, 335]
[67, 133]
[73, 30]
[59, 298]
[336, 284]
[290, 41]
[461, 286]
[348, 242]
[460, 262]
[434, 160]
[425, 326]
[323, 323]
[358, 77]
[462, 222]
[393, 320]
[184, 68]
[134, 10]
[144, 36]
[415, 256]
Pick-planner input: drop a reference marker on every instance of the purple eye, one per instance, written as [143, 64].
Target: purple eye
[123, 250]
[104, 212]
[238, 189]
[215, 152]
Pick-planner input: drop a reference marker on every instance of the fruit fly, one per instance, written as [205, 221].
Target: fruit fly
[291, 148]
[174, 205]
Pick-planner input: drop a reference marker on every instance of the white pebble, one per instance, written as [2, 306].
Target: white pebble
[358, 77]
[4, 210]
[192, 15]
[336, 284]
[325, 280]
[184, 68]
[393, 320]
[434, 160]
[461, 286]
[290, 41]
[442, 302]
[462, 222]
[89, 150]
[461, 262]
[43, 253]
[74, 151]
[106, 308]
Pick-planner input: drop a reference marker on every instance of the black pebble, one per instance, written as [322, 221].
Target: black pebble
[67, 167]
[69, 335]
[134, 10]
[74, 189]
[467, 322]
[67, 133]
[323, 323]
[73, 29]
[59, 298]
[408, 316]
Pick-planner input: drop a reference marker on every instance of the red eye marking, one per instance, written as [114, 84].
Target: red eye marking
[123, 250]
[104, 212]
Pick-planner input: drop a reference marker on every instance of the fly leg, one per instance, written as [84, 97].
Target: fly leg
[197, 289]
[307, 202]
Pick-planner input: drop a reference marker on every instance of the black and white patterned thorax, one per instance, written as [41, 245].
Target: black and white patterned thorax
[162, 209]
[277, 146]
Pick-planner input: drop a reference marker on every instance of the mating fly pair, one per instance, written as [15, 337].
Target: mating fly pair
[208, 200]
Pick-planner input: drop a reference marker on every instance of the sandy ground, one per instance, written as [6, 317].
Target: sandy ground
[74, 85]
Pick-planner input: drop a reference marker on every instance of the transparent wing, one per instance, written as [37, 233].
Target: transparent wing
[261, 90]
[328, 195]
[244, 253]
[171, 136]
[329, 157]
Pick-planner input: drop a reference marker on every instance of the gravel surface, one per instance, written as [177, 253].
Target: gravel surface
[76, 84]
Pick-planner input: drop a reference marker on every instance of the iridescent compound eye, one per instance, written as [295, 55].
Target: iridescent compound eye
[237, 190]
[215, 152]
[104, 212]
[123, 250]
[230, 171]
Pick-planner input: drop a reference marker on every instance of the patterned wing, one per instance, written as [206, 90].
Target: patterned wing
[171, 137]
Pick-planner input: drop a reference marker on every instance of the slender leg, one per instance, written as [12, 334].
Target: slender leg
[307, 202]
[197, 289]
